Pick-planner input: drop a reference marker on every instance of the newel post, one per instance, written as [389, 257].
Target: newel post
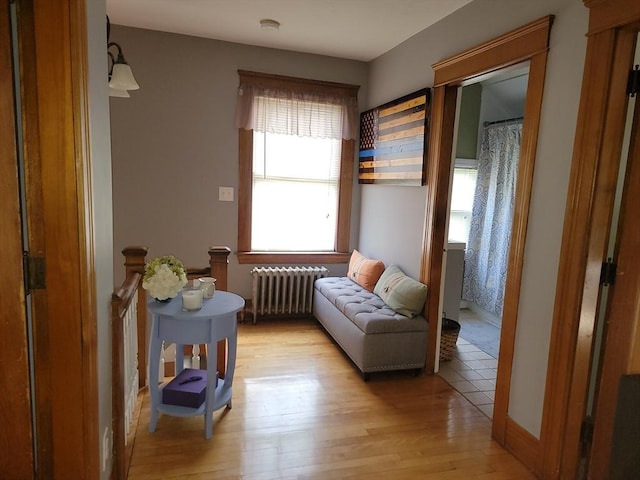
[219, 261]
[135, 259]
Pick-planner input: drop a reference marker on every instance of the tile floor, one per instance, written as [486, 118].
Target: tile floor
[473, 373]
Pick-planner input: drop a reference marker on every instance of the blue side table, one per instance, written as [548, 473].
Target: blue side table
[215, 321]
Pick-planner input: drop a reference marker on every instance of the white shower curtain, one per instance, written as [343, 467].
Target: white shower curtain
[487, 252]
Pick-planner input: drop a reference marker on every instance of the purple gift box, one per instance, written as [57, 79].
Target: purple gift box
[187, 390]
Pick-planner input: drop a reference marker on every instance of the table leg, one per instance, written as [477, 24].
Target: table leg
[154, 361]
[232, 342]
[210, 398]
[222, 357]
[179, 358]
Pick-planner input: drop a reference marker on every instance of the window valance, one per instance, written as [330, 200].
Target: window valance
[296, 106]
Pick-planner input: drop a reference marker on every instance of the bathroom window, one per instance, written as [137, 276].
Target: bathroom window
[465, 173]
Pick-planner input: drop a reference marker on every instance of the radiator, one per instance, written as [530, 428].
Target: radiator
[284, 290]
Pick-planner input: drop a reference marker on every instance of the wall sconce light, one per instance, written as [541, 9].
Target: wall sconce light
[121, 78]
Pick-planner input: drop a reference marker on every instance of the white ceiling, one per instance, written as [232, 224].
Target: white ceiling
[353, 29]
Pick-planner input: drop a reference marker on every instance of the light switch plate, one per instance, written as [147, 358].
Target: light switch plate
[225, 194]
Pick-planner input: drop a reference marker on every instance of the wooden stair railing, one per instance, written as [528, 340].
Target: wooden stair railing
[121, 302]
[134, 262]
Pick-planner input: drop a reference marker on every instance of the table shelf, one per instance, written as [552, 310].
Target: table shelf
[221, 398]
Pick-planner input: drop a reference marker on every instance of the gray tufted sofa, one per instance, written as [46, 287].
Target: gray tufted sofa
[374, 336]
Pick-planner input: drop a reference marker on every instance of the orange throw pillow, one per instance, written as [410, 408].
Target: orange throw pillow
[364, 271]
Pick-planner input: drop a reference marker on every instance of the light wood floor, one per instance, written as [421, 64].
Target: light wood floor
[301, 411]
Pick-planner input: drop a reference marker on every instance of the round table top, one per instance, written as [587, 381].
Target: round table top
[222, 303]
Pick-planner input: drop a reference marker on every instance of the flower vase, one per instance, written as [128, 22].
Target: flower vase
[166, 300]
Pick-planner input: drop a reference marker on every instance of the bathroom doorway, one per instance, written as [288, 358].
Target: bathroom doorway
[484, 177]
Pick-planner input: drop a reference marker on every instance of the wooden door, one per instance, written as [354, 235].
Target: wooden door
[611, 40]
[16, 452]
[623, 313]
[62, 442]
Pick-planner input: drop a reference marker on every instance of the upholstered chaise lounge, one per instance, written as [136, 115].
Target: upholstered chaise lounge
[375, 336]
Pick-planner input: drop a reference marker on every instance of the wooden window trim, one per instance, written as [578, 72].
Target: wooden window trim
[245, 153]
[297, 84]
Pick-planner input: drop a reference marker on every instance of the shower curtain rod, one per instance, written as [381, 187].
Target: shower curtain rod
[486, 124]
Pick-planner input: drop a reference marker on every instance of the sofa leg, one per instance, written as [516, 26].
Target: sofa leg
[365, 376]
[416, 372]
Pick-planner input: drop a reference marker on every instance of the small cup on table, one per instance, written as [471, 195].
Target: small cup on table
[207, 285]
[191, 299]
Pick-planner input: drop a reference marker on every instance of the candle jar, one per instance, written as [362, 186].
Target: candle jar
[191, 299]
[207, 285]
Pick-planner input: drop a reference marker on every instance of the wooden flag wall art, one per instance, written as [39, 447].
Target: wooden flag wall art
[393, 141]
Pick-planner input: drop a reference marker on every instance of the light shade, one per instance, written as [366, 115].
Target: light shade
[114, 92]
[122, 78]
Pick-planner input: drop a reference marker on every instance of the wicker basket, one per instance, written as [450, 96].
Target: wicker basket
[448, 338]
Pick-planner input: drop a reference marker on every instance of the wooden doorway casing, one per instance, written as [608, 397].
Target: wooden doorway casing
[613, 28]
[52, 45]
[622, 314]
[528, 43]
[16, 447]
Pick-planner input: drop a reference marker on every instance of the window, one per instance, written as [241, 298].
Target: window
[296, 169]
[463, 191]
[294, 178]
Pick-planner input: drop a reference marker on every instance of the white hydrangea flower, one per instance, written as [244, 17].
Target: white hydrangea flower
[164, 277]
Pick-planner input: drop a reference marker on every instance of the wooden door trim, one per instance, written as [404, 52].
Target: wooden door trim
[595, 162]
[443, 115]
[623, 313]
[508, 49]
[610, 14]
[449, 75]
[35, 231]
[56, 140]
[16, 441]
[78, 40]
[528, 43]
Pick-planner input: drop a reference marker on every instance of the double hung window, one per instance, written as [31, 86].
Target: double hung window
[296, 168]
[465, 173]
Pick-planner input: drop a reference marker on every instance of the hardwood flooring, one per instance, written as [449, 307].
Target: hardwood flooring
[301, 411]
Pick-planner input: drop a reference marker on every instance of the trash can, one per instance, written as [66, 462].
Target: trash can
[448, 338]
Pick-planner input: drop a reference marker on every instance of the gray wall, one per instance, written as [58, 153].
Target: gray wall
[174, 142]
[468, 121]
[503, 100]
[407, 68]
[100, 179]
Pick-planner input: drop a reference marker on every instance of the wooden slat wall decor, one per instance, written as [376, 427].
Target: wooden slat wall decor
[393, 141]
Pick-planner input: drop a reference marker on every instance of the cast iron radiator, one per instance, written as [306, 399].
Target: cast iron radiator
[284, 290]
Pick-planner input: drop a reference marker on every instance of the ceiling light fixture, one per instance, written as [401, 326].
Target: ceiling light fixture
[120, 75]
[269, 24]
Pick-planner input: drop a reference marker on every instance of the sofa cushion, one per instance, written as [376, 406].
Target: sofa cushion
[364, 271]
[365, 309]
[401, 292]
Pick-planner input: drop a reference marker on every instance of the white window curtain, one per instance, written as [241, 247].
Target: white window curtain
[293, 112]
